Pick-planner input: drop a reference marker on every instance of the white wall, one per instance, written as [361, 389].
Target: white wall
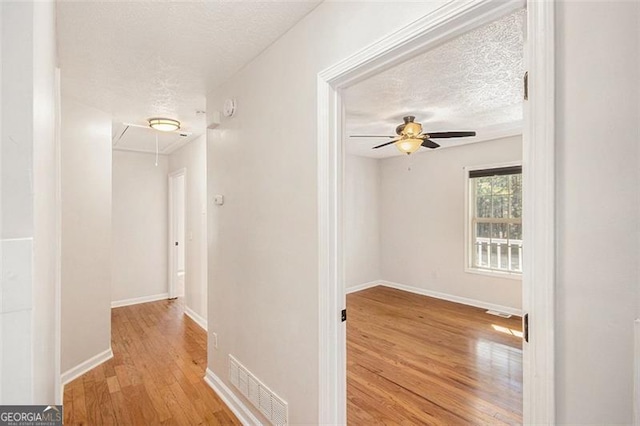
[263, 251]
[86, 232]
[263, 244]
[16, 335]
[28, 207]
[140, 236]
[597, 214]
[422, 217]
[193, 157]
[361, 221]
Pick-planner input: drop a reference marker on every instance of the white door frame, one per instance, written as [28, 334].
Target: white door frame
[57, 354]
[448, 21]
[172, 257]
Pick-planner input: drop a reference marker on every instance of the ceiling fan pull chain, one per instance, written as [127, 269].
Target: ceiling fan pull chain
[156, 149]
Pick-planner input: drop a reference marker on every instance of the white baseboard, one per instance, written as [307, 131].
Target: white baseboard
[361, 287]
[195, 317]
[79, 370]
[234, 403]
[452, 298]
[136, 300]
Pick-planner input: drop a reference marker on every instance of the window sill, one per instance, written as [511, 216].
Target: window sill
[494, 274]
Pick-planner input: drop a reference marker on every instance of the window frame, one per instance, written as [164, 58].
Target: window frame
[468, 221]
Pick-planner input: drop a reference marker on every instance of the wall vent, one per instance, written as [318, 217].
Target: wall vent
[271, 405]
[499, 314]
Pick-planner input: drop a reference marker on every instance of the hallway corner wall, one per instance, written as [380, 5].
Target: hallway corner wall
[86, 233]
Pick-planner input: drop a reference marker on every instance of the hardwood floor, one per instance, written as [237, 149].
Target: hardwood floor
[417, 360]
[155, 375]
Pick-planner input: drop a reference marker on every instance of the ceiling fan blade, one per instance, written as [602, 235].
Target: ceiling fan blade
[450, 134]
[430, 144]
[371, 136]
[385, 144]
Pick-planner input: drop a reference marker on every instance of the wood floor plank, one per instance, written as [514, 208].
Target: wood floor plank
[157, 400]
[107, 415]
[114, 385]
[413, 359]
[91, 400]
[67, 403]
[192, 414]
[155, 375]
[121, 410]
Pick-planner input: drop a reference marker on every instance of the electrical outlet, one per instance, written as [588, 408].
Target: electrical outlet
[214, 339]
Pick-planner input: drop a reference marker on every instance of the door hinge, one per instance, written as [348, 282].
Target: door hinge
[526, 85]
[343, 315]
[525, 327]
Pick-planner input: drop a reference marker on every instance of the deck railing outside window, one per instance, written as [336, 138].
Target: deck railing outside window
[498, 254]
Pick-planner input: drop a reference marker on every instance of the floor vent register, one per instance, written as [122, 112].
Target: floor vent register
[270, 405]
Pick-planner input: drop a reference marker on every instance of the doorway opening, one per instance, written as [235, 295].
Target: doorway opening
[427, 33]
[433, 234]
[177, 207]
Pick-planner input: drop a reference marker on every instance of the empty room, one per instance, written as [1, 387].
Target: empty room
[433, 233]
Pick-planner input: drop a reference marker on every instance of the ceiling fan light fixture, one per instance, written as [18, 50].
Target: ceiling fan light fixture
[410, 137]
[164, 124]
[409, 146]
[412, 129]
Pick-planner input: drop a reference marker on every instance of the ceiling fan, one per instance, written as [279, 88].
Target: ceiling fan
[410, 136]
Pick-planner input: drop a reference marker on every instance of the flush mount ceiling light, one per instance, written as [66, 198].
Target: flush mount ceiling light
[164, 124]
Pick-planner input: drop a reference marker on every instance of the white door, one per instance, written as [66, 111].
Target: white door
[177, 233]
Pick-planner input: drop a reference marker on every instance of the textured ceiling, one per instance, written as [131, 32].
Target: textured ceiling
[137, 60]
[473, 82]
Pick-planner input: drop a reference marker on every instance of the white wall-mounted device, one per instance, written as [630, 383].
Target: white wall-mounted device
[229, 108]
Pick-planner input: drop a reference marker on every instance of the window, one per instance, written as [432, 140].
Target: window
[495, 214]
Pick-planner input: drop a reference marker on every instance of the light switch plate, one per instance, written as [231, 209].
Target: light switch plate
[218, 200]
